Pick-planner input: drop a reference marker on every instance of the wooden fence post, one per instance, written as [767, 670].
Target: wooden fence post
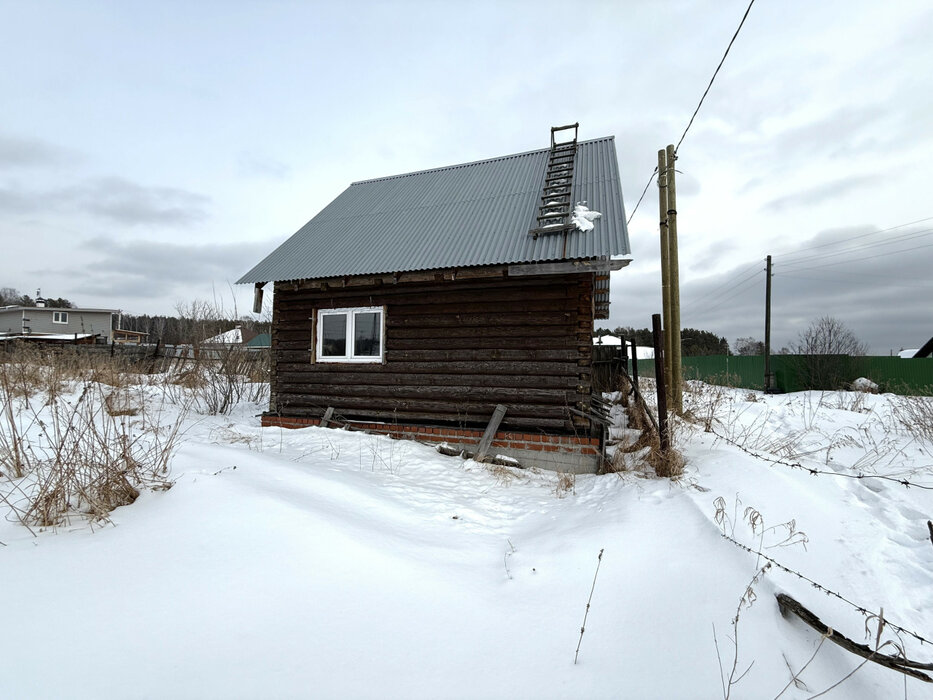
[657, 337]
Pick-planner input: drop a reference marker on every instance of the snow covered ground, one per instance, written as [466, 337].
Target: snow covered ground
[333, 564]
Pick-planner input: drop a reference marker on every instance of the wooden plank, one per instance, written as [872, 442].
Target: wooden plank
[452, 394]
[451, 410]
[315, 288]
[308, 376]
[531, 334]
[294, 351]
[539, 337]
[293, 360]
[563, 268]
[328, 414]
[480, 342]
[480, 320]
[491, 428]
[492, 305]
[533, 424]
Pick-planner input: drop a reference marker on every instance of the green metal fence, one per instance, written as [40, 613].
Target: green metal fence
[800, 372]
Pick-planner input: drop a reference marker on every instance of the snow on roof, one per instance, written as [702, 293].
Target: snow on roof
[583, 217]
[47, 336]
[642, 352]
[232, 337]
[907, 354]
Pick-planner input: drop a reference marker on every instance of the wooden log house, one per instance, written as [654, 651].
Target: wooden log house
[413, 305]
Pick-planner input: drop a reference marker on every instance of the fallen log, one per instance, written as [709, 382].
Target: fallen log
[905, 666]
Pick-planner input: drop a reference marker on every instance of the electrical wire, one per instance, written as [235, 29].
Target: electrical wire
[715, 73]
[861, 235]
[891, 241]
[697, 110]
[745, 273]
[643, 193]
[735, 292]
[864, 258]
[848, 280]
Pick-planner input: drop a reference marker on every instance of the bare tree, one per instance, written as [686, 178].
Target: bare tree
[828, 336]
[825, 350]
[749, 346]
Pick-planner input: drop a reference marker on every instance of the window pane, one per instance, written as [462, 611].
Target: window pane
[334, 335]
[367, 341]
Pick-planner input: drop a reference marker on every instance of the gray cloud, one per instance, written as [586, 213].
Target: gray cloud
[21, 153]
[128, 203]
[152, 265]
[112, 199]
[821, 193]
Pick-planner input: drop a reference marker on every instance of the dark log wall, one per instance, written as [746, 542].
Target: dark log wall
[454, 348]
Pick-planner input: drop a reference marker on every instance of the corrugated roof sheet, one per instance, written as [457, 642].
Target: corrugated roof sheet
[458, 216]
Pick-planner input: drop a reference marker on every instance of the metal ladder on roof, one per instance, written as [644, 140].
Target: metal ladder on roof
[555, 207]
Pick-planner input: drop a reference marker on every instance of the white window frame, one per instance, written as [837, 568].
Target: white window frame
[350, 313]
[59, 317]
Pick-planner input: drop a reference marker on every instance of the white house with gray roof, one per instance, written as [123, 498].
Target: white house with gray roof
[61, 325]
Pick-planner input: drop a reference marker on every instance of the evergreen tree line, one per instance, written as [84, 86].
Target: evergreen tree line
[194, 323]
[693, 341]
[13, 297]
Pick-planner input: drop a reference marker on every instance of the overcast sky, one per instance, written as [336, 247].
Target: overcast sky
[151, 153]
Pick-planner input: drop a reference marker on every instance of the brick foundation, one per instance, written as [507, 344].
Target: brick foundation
[555, 452]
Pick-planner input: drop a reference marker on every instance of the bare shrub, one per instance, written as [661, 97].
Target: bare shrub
[225, 377]
[83, 453]
[706, 402]
[914, 415]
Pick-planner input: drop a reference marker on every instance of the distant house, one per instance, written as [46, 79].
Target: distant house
[124, 337]
[925, 351]
[44, 323]
[643, 352]
[416, 304]
[262, 341]
[234, 336]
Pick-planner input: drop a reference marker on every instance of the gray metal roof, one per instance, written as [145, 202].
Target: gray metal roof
[458, 216]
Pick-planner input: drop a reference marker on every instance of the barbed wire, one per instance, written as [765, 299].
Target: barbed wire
[820, 587]
[816, 472]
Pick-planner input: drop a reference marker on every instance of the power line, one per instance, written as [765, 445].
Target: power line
[862, 235]
[643, 193]
[849, 281]
[697, 110]
[862, 259]
[715, 73]
[891, 241]
[746, 272]
[741, 287]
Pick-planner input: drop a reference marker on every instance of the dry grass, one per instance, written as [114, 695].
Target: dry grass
[566, 483]
[914, 416]
[75, 439]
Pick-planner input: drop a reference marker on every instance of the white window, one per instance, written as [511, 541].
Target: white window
[350, 335]
[59, 317]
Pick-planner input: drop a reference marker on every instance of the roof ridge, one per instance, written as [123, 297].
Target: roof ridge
[456, 166]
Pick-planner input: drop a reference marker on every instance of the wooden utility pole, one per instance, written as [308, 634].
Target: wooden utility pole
[673, 359]
[769, 384]
[665, 266]
[660, 370]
